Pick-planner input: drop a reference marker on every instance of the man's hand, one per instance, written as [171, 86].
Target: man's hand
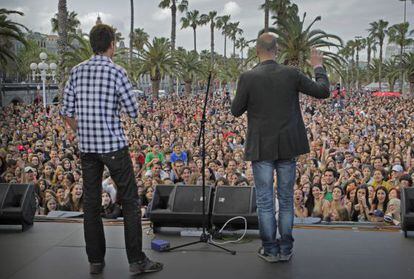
[316, 58]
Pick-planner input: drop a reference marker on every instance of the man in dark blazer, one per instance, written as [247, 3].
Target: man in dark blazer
[276, 135]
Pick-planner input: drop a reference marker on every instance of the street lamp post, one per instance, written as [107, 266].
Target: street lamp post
[43, 68]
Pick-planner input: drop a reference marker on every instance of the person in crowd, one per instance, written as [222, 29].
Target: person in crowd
[360, 210]
[110, 209]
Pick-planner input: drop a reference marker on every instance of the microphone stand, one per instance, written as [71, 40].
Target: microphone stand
[205, 237]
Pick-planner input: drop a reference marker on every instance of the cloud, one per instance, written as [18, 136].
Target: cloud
[231, 8]
[161, 14]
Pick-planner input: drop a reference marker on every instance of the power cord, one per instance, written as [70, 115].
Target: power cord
[225, 224]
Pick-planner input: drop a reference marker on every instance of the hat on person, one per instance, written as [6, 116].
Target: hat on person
[29, 169]
[397, 168]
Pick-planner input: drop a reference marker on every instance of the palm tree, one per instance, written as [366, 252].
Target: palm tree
[398, 34]
[190, 67]
[157, 60]
[172, 4]
[140, 39]
[282, 9]
[391, 72]
[241, 44]
[266, 7]
[369, 44]
[62, 43]
[9, 30]
[210, 17]
[79, 52]
[408, 62]
[378, 30]
[295, 41]
[347, 54]
[222, 22]
[72, 23]
[233, 31]
[131, 33]
[118, 35]
[357, 44]
[192, 19]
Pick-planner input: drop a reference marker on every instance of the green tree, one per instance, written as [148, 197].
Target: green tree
[241, 44]
[78, 53]
[62, 43]
[190, 67]
[131, 32]
[233, 31]
[408, 62]
[222, 22]
[73, 23]
[369, 44]
[172, 5]
[157, 60]
[391, 71]
[9, 31]
[140, 39]
[398, 34]
[211, 18]
[295, 41]
[378, 31]
[192, 19]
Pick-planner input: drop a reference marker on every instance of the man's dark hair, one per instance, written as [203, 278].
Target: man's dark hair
[101, 37]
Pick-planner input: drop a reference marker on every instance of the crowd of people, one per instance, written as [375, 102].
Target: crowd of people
[362, 154]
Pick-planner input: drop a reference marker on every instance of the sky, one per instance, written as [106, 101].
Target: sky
[345, 18]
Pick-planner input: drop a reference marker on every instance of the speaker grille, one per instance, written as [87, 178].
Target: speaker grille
[232, 200]
[188, 199]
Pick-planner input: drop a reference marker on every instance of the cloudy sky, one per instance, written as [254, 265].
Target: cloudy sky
[344, 18]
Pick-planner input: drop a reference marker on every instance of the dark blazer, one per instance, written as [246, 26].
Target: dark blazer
[270, 95]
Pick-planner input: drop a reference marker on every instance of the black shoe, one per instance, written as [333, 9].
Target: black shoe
[145, 266]
[96, 268]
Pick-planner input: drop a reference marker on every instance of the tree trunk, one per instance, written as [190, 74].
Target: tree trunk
[401, 71]
[195, 39]
[234, 48]
[380, 68]
[212, 42]
[62, 43]
[369, 55]
[225, 45]
[391, 86]
[131, 34]
[357, 68]
[266, 19]
[187, 87]
[173, 23]
[155, 88]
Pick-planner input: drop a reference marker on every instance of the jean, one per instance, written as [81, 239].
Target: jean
[263, 178]
[121, 170]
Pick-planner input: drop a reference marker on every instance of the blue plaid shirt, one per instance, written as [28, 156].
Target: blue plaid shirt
[95, 94]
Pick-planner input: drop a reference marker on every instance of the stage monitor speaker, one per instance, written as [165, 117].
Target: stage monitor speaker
[232, 201]
[17, 205]
[179, 206]
[407, 210]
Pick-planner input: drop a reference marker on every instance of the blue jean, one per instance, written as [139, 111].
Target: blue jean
[263, 178]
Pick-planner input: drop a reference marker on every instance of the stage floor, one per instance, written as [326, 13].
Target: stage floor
[56, 250]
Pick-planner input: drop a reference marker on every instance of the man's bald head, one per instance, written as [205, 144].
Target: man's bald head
[267, 43]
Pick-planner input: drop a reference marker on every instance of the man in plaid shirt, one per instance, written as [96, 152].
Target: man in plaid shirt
[95, 94]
